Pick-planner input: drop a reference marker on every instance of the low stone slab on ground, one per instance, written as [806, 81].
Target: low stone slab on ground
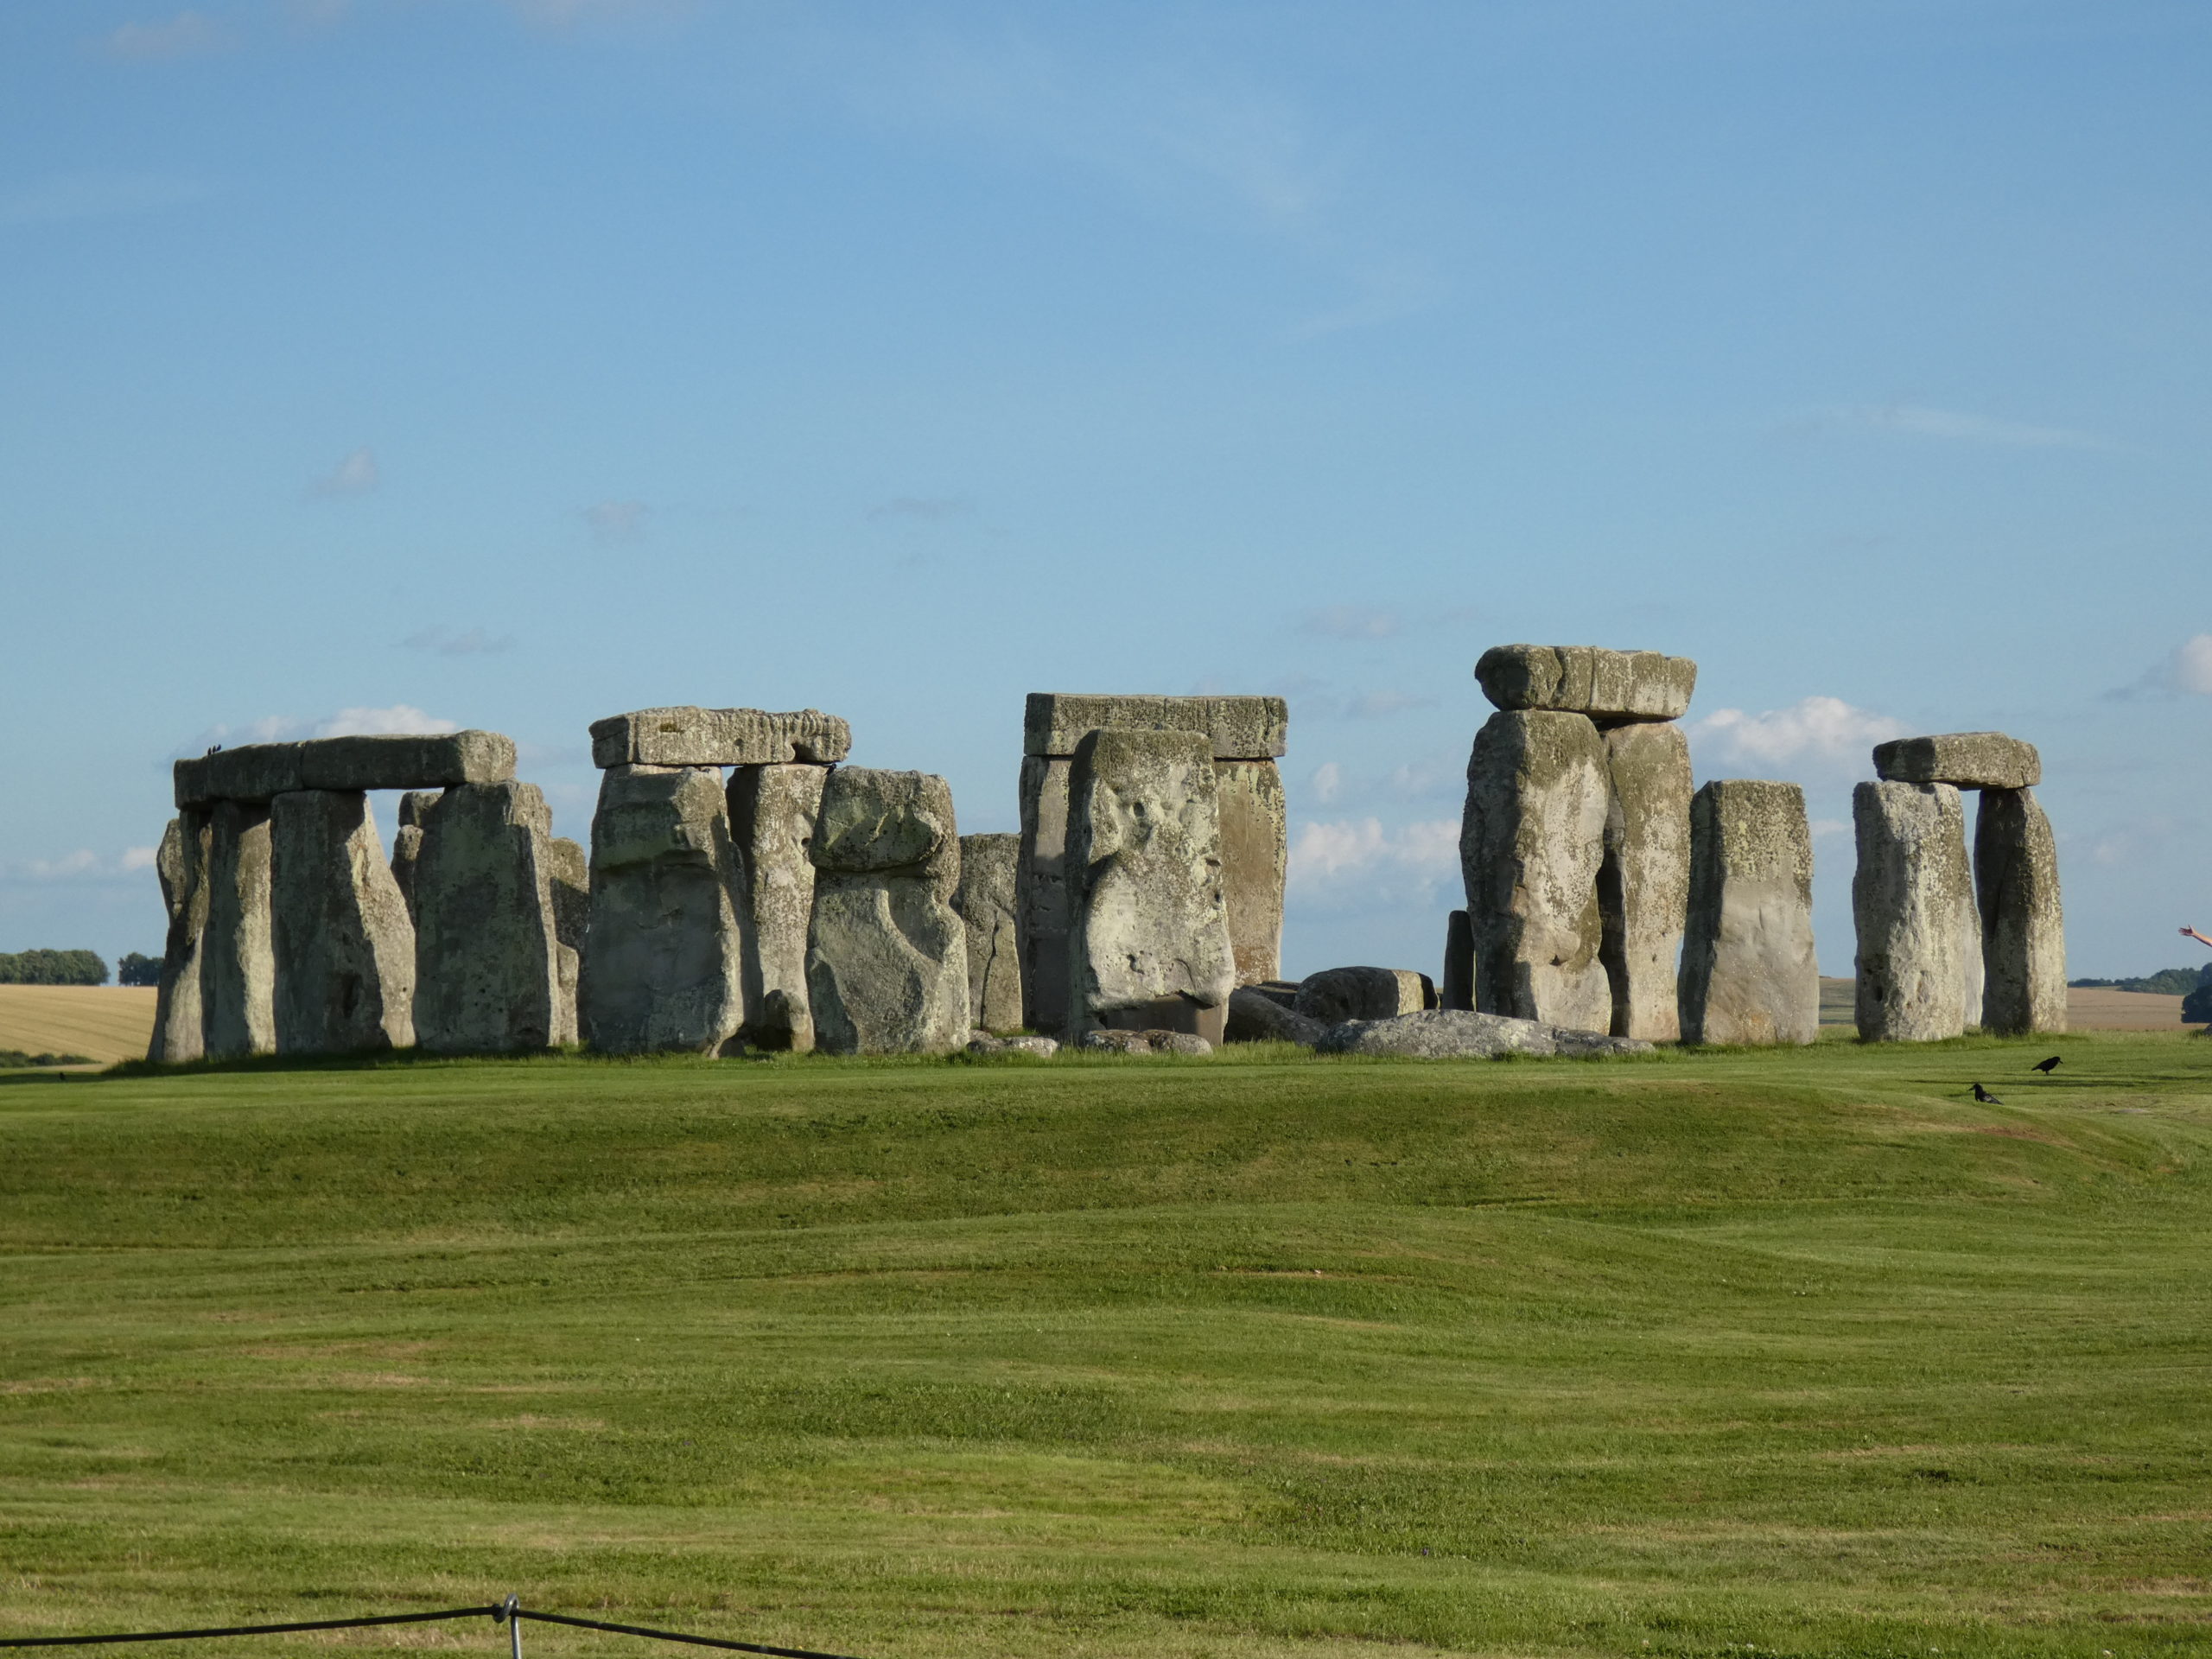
[1335, 994]
[691, 736]
[981, 1042]
[1962, 760]
[1456, 1034]
[1150, 1041]
[1255, 1016]
[1607, 685]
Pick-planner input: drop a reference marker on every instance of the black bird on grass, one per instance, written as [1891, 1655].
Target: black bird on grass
[2046, 1066]
[1984, 1097]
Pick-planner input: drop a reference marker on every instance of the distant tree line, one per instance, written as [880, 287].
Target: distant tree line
[2167, 981]
[138, 968]
[52, 968]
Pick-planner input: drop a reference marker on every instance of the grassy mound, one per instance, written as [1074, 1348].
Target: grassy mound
[1697, 1354]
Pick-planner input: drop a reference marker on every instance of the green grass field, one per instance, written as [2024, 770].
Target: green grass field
[1731, 1354]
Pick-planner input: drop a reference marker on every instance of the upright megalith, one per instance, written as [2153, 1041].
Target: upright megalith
[1912, 899]
[2023, 925]
[989, 868]
[887, 960]
[238, 968]
[344, 945]
[182, 865]
[1244, 736]
[1456, 991]
[1749, 974]
[1531, 843]
[1643, 880]
[415, 808]
[486, 955]
[569, 881]
[773, 809]
[1149, 944]
[662, 958]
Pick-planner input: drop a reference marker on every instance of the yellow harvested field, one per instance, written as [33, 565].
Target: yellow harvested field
[102, 1022]
[2087, 1009]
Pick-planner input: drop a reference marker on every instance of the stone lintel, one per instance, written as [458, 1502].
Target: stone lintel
[258, 773]
[690, 736]
[1962, 760]
[1607, 685]
[1239, 729]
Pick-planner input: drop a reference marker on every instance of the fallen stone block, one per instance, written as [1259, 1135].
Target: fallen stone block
[662, 968]
[691, 736]
[989, 865]
[181, 866]
[1912, 899]
[1112, 1039]
[1607, 685]
[238, 968]
[1643, 882]
[2023, 924]
[1962, 760]
[1235, 728]
[772, 812]
[1457, 1034]
[1255, 1017]
[487, 956]
[886, 961]
[981, 1042]
[1749, 973]
[1335, 994]
[343, 944]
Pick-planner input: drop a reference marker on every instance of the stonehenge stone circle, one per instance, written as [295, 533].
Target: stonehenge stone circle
[1643, 882]
[1335, 994]
[773, 807]
[1749, 974]
[1530, 844]
[407, 841]
[1962, 760]
[662, 964]
[181, 866]
[1607, 685]
[1243, 735]
[2023, 927]
[1912, 897]
[718, 737]
[886, 959]
[238, 968]
[1148, 943]
[343, 946]
[1456, 991]
[258, 773]
[486, 955]
[989, 868]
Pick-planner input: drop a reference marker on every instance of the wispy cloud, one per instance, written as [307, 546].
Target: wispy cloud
[2186, 669]
[1326, 783]
[1380, 705]
[1354, 857]
[1824, 731]
[1950, 425]
[355, 475]
[926, 509]
[85, 865]
[617, 521]
[1350, 622]
[403, 718]
[186, 35]
[445, 642]
[97, 195]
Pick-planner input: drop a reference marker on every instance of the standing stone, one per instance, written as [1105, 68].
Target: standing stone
[1749, 974]
[774, 810]
[887, 959]
[1255, 863]
[986, 902]
[407, 841]
[1644, 883]
[1530, 845]
[344, 945]
[1041, 895]
[237, 971]
[1149, 946]
[181, 864]
[1457, 989]
[487, 957]
[2023, 928]
[568, 882]
[662, 959]
[1912, 899]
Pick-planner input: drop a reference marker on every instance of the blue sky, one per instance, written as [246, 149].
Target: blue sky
[379, 363]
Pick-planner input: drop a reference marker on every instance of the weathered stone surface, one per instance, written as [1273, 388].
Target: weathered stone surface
[1117, 1040]
[238, 970]
[1749, 973]
[181, 864]
[1255, 863]
[1459, 1034]
[343, 943]
[486, 956]
[1149, 943]
[772, 812]
[1281, 991]
[1607, 685]
[989, 868]
[1530, 845]
[662, 965]
[261, 771]
[1335, 994]
[719, 737]
[1255, 1017]
[1644, 883]
[1962, 760]
[886, 959]
[1912, 901]
[1457, 989]
[1042, 892]
[407, 842]
[981, 1042]
[1237, 728]
[2023, 924]
[568, 882]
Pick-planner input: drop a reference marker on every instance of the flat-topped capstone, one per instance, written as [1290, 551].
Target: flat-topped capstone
[1962, 760]
[1588, 680]
[719, 737]
[1240, 729]
[257, 773]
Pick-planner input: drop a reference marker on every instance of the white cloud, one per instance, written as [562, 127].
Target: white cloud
[1825, 828]
[83, 862]
[1325, 855]
[1327, 782]
[355, 475]
[1825, 732]
[1951, 425]
[140, 858]
[1350, 622]
[617, 521]
[182, 35]
[2187, 667]
[400, 718]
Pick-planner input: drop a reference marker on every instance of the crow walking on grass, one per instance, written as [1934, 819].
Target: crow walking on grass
[1984, 1097]
[2046, 1066]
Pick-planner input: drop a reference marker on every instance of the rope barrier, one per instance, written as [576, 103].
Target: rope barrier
[510, 1611]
